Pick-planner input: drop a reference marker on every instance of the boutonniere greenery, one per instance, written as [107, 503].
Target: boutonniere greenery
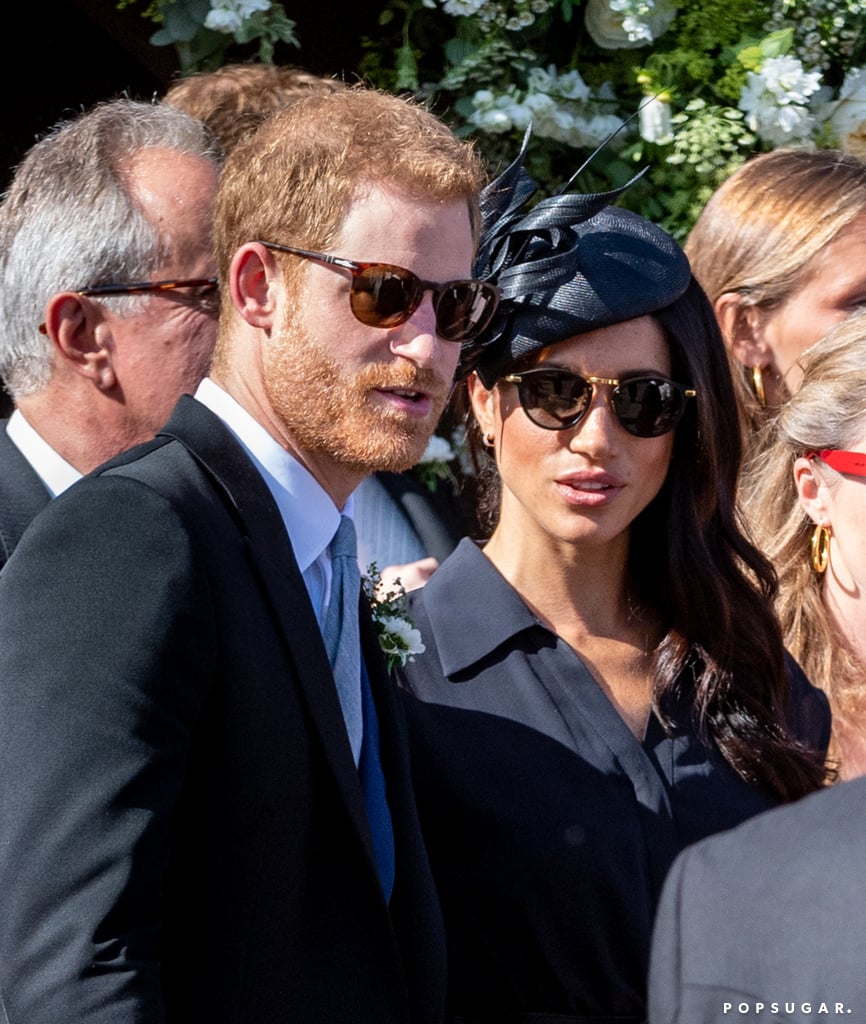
[399, 640]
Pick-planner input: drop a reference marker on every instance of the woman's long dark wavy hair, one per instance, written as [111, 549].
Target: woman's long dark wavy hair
[722, 654]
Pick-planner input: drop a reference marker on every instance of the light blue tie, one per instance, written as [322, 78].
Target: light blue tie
[343, 644]
[341, 632]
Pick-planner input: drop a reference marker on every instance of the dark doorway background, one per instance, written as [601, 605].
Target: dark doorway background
[71, 53]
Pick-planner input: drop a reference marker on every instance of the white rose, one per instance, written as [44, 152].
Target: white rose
[607, 28]
[847, 114]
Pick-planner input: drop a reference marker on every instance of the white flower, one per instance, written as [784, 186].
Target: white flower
[540, 105]
[592, 131]
[248, 7]
[571, 86]
[462, 8]
[438, 450]
[495, 122]
[655, 120]
[775, 100]
[229, 15]
[492, 113]
[541, 79]
[399, 640]
[559, 107]
[847, 114]
[519, 116]
[433, 464]
[625, 24]
[221, 19]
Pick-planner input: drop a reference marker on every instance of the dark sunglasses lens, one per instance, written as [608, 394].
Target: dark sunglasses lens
[464, 309]
[554, 400]
[385, 296]
[648, 407]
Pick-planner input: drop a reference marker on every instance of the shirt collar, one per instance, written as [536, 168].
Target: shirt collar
[472, 608]
[310, 516]
[52, 469]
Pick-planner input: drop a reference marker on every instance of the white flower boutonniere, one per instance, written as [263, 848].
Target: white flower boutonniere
[399, 640]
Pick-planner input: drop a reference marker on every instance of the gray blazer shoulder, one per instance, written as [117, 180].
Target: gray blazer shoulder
[767, 922]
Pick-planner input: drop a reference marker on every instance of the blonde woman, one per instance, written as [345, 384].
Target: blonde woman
[809, 519]
[780, 250]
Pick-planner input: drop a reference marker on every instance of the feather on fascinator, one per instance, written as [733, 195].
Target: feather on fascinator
[571, 264]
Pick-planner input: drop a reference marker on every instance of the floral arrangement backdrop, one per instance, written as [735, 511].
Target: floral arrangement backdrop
[690, 87]
[687, 88]
[693, 86]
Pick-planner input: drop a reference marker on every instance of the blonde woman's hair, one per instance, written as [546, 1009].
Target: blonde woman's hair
[828, 411]
[762, 232]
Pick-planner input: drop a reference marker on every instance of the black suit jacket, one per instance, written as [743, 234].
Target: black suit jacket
[183, 828]
[767, 923]
[22, 495]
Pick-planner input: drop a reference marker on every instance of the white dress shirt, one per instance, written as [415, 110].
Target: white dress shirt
[310, 516]
[52, 469]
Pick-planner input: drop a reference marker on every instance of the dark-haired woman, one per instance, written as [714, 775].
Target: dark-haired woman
[604, 681]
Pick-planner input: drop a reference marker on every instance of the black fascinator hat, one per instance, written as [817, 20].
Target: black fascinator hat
[571, 264]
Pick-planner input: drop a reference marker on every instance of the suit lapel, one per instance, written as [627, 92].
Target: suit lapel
[272, 560]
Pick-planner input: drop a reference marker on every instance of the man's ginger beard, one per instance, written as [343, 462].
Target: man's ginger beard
[328, 409]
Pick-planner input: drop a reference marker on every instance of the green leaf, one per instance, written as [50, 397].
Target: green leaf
[407, 69]
[753, 53]
[183, 21]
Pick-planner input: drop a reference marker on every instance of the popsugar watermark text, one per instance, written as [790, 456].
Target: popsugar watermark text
[825, 1009]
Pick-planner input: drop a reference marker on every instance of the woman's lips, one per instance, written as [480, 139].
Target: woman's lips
[589, 490]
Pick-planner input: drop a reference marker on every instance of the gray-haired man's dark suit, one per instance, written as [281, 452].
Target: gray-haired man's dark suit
[183, 831]
[22, 495]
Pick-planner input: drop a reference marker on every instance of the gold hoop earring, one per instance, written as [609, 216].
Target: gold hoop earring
[820, 547]
[758, 386]
[489, 439]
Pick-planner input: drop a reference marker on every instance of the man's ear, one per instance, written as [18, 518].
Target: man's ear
[253, 275]
[742, 328]
[812, 491]
[77, 330]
